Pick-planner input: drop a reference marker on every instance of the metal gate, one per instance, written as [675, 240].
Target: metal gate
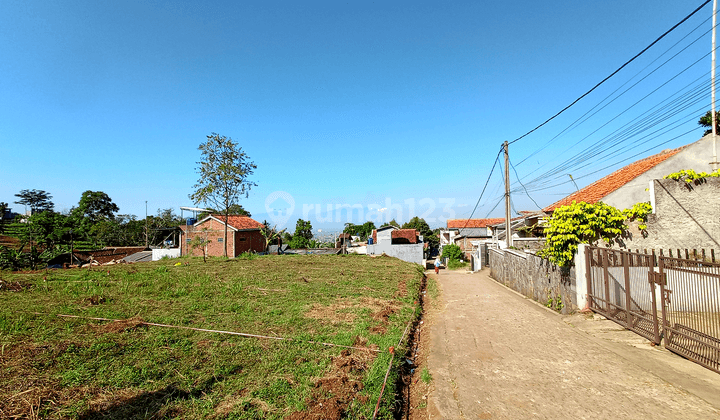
[659, 297]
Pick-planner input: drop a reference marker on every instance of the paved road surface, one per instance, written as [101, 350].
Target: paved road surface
[496, 355]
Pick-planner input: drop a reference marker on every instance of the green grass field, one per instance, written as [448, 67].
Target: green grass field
[53, 367]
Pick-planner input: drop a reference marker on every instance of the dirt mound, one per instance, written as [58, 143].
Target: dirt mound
[335, 391]
[95, 300]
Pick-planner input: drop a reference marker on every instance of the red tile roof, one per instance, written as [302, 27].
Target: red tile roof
[405, 235]
[603, 187]
[240, 222]
[473, 223]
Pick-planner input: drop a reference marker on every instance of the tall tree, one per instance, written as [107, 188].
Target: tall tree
[37, 200]
[3, 207]
[94, 206]
[706, 121]
[224, 171]
[238, 210]
[92, 215]
[303, 234]
[363, 231]
[391, 223]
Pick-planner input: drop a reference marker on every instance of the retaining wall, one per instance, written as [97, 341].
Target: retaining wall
[535, 278]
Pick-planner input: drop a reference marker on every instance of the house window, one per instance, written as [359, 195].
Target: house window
[188, 240]
[220, 239]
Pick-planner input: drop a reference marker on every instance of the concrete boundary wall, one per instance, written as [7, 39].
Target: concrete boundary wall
[407, 252]
[685, 216]
[535, 278]
[158, 254]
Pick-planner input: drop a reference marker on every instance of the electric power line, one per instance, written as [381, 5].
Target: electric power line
[614, 73]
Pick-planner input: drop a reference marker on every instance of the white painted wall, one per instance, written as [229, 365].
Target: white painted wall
[158, 254]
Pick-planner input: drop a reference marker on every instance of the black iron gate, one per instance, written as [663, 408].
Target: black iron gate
[659, 297]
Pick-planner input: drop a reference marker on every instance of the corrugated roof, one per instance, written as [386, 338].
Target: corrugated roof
[473, 232]
[604, 186]
[142, 256]
[472, 223]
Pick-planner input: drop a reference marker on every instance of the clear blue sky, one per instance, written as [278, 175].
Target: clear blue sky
[336, 102]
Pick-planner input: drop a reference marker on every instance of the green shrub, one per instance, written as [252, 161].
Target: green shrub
[580, 223]
[452, 252]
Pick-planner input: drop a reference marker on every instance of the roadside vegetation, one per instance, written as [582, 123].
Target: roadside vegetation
[55, 367]
[454, 256]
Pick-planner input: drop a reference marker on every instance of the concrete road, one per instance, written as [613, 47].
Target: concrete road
[497, 355]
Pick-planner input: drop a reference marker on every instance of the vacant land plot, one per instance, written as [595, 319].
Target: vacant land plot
[59, 367]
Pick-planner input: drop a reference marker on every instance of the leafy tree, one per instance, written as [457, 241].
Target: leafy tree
[200, 242]
[238, 210]
[363, 231]
[3, 207]
[37, 200]
[224, 171]
[94, 206]
[391, 223]
[47, 229]
[452, 252]
[303, 229]
[168, 218]
[580, 223]
[706, 121]
[298, 242]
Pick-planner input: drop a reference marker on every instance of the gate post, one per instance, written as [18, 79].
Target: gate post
[653, 296]
[628, 298]
[582, 277]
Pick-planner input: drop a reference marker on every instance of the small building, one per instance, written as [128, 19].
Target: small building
[243, 236]
[400, 243]
[467, 233]
[344, 240]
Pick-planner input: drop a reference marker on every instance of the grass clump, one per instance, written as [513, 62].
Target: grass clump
[83, 368]
[456, 264]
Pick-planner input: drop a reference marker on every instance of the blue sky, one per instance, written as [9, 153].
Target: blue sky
[360, 104]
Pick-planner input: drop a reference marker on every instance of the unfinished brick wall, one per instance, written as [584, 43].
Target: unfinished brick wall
[237, 241]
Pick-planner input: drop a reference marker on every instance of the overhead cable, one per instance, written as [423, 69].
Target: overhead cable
[614, 73]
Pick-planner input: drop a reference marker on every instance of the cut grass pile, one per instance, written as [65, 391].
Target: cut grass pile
[54, 367]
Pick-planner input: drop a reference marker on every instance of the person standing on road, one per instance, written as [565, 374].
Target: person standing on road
[437, 265]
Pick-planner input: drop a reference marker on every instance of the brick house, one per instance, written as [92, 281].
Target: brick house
[243, 236]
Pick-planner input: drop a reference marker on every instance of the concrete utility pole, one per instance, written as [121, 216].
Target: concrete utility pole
[714, 163]
[508, 233]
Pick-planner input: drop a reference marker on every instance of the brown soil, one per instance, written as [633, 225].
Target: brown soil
[14, 286]
[402, 290]
[413, 391]
[31, 390]
[338, 388]
[335, 313]
[340, 311]
[121, 325]
[95, 300]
